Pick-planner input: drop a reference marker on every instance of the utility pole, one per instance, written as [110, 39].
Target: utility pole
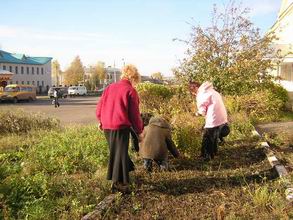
[115, 80]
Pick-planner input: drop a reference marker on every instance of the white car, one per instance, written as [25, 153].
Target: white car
[77, 90]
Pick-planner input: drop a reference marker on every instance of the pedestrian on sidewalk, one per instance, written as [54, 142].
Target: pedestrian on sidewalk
[56, 98]
[117, 112]
[210, 105]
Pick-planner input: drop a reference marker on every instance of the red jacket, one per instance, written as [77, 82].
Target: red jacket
[119, 107]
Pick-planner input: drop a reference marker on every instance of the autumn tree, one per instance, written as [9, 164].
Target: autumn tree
[56, 72]
[75, 73]
[157, 75]
[97, 73]
[231, 53]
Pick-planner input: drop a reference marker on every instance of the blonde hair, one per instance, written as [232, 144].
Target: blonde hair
[131, 73]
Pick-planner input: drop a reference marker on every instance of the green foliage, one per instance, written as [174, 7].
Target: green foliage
[231, 53]
[19, 122]
[61, 176]
[74, 150]
[178, 108]
[260, 106]
[186, 134]
[279, 93]
[240, 126]
[153, 96]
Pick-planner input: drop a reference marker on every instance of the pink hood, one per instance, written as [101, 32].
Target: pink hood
[211, 105]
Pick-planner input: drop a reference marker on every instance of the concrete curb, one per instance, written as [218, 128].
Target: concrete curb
[278, 166]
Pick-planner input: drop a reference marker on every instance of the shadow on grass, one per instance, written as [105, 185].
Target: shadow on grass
[205, 183]
[228, 158]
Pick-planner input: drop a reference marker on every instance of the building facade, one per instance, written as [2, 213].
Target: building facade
[27, 70]
[113, 74]
[283, 29]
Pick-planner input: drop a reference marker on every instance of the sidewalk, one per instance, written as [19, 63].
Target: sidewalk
[276, 127]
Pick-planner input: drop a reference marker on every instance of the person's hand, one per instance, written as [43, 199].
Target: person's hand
[100, 126]
[140, 137]
[197, 114]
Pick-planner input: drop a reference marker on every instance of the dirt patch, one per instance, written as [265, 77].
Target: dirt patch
[194, 189]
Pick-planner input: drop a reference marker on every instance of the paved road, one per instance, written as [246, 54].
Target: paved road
[277, 127]
[76, 110]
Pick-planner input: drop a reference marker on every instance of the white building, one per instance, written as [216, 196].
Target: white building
[27, 70]
[113, 74]
[283, 29]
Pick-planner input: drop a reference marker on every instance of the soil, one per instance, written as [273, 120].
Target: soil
[194, 189]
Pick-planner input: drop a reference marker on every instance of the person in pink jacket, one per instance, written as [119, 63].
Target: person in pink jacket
[210, 105]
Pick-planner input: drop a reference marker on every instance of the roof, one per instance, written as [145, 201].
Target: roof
[5, 72]
[6, 57]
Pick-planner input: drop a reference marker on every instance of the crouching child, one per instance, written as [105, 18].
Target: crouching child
[156, 143]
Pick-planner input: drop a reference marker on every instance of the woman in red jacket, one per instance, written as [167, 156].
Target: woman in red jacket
[118, 111]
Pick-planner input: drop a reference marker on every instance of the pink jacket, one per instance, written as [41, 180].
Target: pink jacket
[211, 105]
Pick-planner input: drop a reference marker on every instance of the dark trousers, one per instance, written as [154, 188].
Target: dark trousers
[209, 147]
[120, 163]
[148, 164]
[56, 102]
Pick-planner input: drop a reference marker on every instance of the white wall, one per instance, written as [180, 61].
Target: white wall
[44, 79]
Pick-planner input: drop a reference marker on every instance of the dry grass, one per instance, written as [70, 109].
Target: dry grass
[238, 184]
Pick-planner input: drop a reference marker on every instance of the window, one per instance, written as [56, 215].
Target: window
[28, 82]
[10, 68]
[16, 82]
[16, 70]
[287, 71]
[11, 82]
[42, 83]
[42, 71]
[27, 70]
[4, 67]
[33, 70]
[33, 82]
[37, 70]
[38, 83]
[22, 70]
[22, 82]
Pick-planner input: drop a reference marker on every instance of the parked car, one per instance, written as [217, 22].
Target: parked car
[77, 90]
[62, 91]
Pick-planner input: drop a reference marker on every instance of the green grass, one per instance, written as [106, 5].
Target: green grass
[59, 173]
[52, 174]
[286, 116]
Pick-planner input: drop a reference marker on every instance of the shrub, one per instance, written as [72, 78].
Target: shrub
[278, 92]
[259, 106]
[187, 132]
[240, 126]
[153, 96]
[21, 122]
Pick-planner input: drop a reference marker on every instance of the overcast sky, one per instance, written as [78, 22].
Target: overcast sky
[138, 31]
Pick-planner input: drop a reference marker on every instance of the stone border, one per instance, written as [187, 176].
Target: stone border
[278, 166]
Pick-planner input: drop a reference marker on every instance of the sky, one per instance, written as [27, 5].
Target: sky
[139, 32]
